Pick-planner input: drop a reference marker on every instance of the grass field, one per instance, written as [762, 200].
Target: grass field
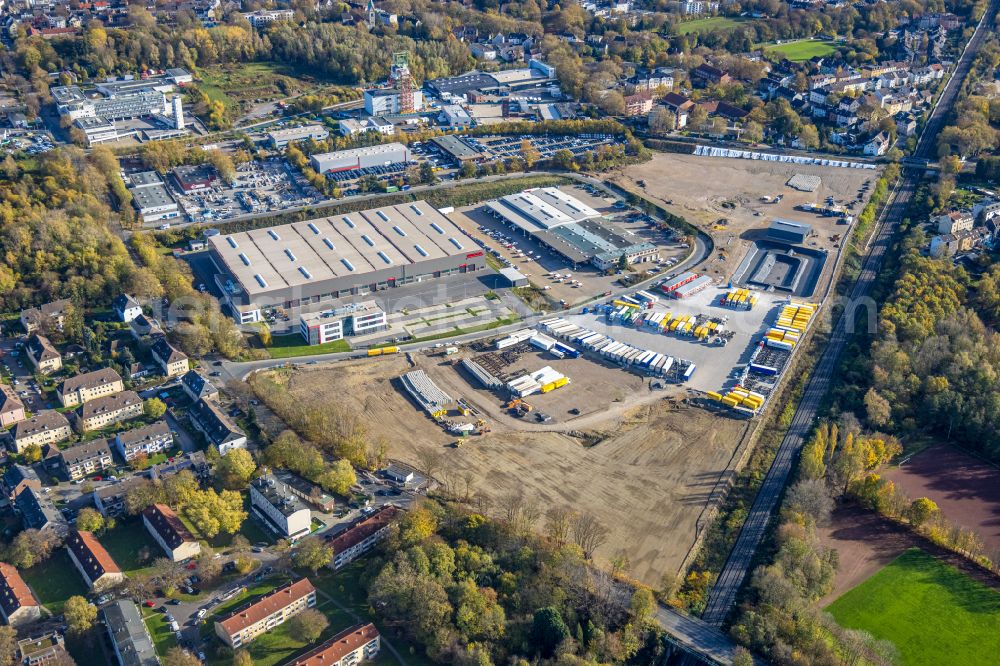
[125, 542]
[290, 346]
[54, 581]
[801, 50]
[708, 23]
[159, 630]
[932, 612]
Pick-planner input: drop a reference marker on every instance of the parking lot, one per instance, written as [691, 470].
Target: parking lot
[510, 146]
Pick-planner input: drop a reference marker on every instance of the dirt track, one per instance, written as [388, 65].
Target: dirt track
[647, 479]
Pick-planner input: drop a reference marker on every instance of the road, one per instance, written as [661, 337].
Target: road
[723, 594]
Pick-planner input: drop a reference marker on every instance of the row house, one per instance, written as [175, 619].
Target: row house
[170, 533]
[89, 386]
[94, 563]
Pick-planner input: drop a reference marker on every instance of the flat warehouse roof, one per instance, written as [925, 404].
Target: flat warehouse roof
[341, 245]
[457, 148]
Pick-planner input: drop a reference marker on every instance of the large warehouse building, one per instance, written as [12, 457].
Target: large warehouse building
[566, 225]
[360, 158]
[340, 256]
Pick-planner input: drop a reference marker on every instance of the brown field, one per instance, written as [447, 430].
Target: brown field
[643, 464]
[697, 188]
[966, 489]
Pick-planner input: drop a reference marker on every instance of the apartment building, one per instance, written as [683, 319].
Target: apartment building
[46, 427]
[220, 431]
[48, 315]
[126, 307]
[42, 649]
[197, 386]
[149, 440]
[110, 499]
[306, 490]
[17, 604]
[85, 459]
[169, 532]
[244, 625]
[11, 407]
[362, 536]
[94, 563]
[351, 646]
[89, 386]
[108, 410]
[131, 641]
[39, 513]
[17, 478]
[172, 362]
[279, 508]
[42, 354]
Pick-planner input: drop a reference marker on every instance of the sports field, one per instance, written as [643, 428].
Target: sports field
[709, 23]
[932, 612]
[801, 50]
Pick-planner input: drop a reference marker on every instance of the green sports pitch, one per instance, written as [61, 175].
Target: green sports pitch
[801, 50]
[931, 611]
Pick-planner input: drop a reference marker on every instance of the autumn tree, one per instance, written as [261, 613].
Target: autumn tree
[80, 614]
[338, 478]
[922, 510]
[89, 520]
[312, 553]
[236, 468]
[308, 625]
[178, 656]
[154, 408]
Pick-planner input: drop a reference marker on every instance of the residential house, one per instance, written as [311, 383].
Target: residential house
[948, 245]
[955, 221]
[197, 386]
[986, 209]
[18, 605]
[361, 536]
[143, 326]
[638, 104]
[244, 625]
[85, 459]
[677, 102]
[280, 509]
[110, 499]
[129, 637]
[43, 650]
[146, 440]
[89, 386]
[906, 124]
[111, 409]
[50, 315]
[17, 478]
[169, 532]
[97, 567]
[46, 427]
[194, 462]
[38, 512]
[11, 407]
[306, 490]
[710, 75]
[208, 418]
[351, 646]
[126, 307]
[43, 354]
[172, 361]
[878, 144]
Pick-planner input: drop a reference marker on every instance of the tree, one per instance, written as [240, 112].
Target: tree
[588, 534]
[80, 614]
[236, 468]
[662, 120]
[921, 510]
[742, 656]
[312, 553]
[244, 564]
[32, 453]
[548, 630]
[339, 478]
[642, 604]
[242, 658]
[308, 625]
[529, 153]
[809, 136]
[8, 645]
[213, 512]
[264, 334]
[878, 408]
[754, 132]
[89, 520]
[154, 408]
[178, 656]
[417, 525]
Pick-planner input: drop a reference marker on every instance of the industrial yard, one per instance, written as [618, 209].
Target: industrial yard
[640, 461]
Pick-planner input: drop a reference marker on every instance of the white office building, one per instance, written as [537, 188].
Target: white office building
[354, 319]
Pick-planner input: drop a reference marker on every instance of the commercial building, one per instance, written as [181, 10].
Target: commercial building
[146, 440]
[84, 459]
[89, 386]
[282, 137]
[351, 646]
[362, 536]
[131, 641]
[46, 427]
[787, 231]
[244, 625]
[195, 178]
[42, 354]
[97, 567]
[338, 257]
[264, 17]
[49, 314]
[17, 604]
[11, 407]
[455, 116]
[385, 101]
[150, 197]
[566, 225]
[352, 127]
[353, 319]
[169, 532]
[171, 360]
[360, 158]
[218, 429]
[197, 386]
[280, 509]
[96, 130]
[124, 104]
[458, 149]
[108, 410]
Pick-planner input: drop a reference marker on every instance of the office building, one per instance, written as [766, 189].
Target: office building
[347, 320]
[150, 197]
[384, 101]
[279, 139]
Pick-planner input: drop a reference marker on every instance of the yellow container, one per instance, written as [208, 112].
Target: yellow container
[713, 395]
[374, 352]
[730, 402]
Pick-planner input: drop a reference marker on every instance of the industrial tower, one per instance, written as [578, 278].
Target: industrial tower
[402, 80]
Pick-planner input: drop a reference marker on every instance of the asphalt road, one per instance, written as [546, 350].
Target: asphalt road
[723, 593]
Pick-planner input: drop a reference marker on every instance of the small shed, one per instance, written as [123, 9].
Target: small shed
[513, 277]
[786, 231]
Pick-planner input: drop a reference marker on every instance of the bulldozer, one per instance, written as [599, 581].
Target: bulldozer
[482, 427]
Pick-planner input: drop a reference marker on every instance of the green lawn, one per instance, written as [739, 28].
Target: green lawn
[290, 346]
[54, 581]
[159, 629]
[708, 23]
[125, 542]
[932, 612]
[801, 50]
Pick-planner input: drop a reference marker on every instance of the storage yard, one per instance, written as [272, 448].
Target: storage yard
[645, 467]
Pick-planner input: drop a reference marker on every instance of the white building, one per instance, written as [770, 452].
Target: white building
[264, 17]
[96, 130]
[381, 101]
[126, 307]
[279, 508]
[359, 158]
[454, 115]
[151, 198]
[355, 319]
[282, 137]
[244, 625]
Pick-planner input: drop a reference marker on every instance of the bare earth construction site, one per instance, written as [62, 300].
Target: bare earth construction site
[616, 441]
